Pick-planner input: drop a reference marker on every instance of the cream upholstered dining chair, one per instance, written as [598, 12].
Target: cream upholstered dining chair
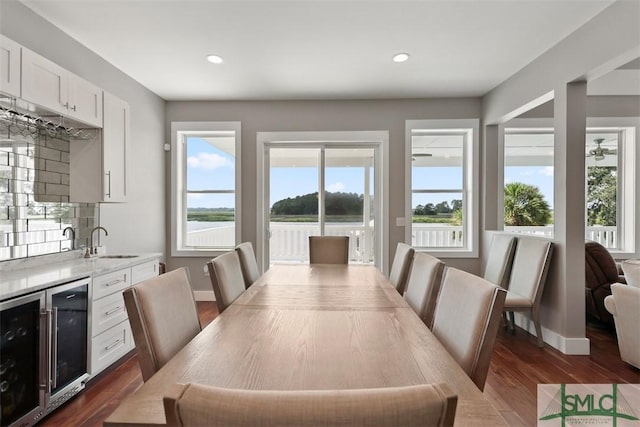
[163, 316]
[329, 249]
[466, 320]
[226, 277]
[624, 305]
[418, 405]
[528, 275]
[499, 259]
[401, 266]
[423, 285]
[248, 262]
[631, 270]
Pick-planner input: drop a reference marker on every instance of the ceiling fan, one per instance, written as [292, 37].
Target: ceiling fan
[414, 156]
[598, 153]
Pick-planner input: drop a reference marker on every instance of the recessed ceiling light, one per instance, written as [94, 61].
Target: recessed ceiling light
[214, 59]
[400, 57]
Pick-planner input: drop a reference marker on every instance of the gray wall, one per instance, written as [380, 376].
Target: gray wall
[265, 116]
[561, 74]
[138, 225]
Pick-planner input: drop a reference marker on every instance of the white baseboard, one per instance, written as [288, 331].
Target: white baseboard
[572, 346]
[204, 295]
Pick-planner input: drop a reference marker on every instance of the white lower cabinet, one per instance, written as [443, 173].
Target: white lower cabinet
[110, 346]
[111, 336]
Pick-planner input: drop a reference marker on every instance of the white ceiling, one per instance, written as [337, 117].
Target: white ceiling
[318, 49]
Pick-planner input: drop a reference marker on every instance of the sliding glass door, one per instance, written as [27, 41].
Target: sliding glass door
[320, 189]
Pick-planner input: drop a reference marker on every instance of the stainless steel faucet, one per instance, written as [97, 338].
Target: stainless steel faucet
[72, 238]
[94, 250]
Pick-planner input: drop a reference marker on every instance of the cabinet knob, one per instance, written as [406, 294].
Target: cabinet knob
[73, 108]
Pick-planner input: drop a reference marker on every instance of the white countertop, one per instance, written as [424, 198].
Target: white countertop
[22, 281]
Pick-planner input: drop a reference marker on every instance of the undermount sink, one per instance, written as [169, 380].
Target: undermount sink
[118, 256]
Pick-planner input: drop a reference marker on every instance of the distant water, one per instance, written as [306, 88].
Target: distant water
[203, 225]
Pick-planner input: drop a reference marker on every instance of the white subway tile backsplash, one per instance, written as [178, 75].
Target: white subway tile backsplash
[34, 199]
[48, 177]
[53, 166]
[48, 153]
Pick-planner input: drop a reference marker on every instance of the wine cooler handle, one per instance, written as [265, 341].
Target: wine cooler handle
[44, 332]
[54, 347]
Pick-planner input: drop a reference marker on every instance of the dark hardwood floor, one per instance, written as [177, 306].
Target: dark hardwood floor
[517, 366]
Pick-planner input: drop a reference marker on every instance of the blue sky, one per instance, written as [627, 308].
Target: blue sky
[211, 168]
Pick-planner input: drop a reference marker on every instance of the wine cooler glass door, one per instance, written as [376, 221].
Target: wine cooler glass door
[69, 310]
[22, 381]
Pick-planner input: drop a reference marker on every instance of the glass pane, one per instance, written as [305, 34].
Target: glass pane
[293, 202]
[602, 188]
[349, 199]
[19, 351]
[528, 179]
[437, 161]
[211, 163]
[437, 220]
[71, 356]
[210, 220]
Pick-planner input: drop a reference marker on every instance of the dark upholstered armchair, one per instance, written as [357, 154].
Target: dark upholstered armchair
[601, 272]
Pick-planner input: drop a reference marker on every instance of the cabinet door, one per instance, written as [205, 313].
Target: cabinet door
[9, 67]
[115, 141]
[43, 82]
[85, 101]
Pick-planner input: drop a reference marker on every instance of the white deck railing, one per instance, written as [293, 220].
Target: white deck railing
[289, 241]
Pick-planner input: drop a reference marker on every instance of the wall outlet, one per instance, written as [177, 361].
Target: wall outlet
[206, 270]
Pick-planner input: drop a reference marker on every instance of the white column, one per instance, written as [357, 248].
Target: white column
[567, 281]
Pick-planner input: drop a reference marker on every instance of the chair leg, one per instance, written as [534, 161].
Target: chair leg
[505, 320]
[536, 321]
[512, 322]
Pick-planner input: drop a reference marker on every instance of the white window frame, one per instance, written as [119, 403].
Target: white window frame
[470, 184]
[628, 193]
[628, 164]
[178, 179]
[377, 139]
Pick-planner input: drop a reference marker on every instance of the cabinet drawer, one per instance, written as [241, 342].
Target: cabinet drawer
[111, 282]
[110, 346]
[144, 271]
[107, 312]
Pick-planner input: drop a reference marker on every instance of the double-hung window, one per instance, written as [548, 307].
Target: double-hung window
[611, 181]
[442, 203]
[205, 183]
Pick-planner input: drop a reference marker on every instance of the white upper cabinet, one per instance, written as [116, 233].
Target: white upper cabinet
[9, 67]
[115, 141]
[50, 86]
[98, 168]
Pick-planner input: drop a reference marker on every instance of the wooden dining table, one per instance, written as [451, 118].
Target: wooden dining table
[312, 327]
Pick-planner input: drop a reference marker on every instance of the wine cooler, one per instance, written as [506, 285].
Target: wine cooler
[43, 351]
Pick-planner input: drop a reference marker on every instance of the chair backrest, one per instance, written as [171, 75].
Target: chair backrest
[248, 262]
[401, 266]
[530, 266]
[418, 405]
[601, 268]
[329, 249]
[499, 259]
[624, 305]
[423, 285]
[226, 277]
[163, 316]
[631, 271]
[466, 321]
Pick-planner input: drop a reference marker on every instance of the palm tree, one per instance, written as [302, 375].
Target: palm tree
[524, 205]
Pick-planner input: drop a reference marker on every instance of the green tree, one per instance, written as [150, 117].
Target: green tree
[601, 195]
[525, 205]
